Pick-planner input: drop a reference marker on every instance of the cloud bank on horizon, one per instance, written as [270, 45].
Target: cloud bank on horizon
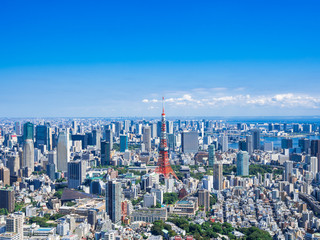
[212, 102]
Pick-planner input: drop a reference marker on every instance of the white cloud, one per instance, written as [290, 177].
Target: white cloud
[284, 100]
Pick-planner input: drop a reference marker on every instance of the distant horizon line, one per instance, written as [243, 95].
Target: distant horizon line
[176, 117]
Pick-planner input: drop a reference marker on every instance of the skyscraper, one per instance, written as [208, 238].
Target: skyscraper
[14, 163]
[243, 145]
[5, 175]
[123, 143]
[189, 142]
[7, 199]
[105, 153]
[242, 163]
[76, 173]
[304, 144]
[147, 138]
[28, 154]
[74, 127]
[204, 199]
[256, 139]
[109, 137]
[154, 132]
[51, 168]
[52, 158]
[217, 176]
[286, 143]
[211, 155]
[113, 200]
[288, 167]
[28, 131]
[223, 142]
[171, 142]
[315, 150]
[96, 137]
[313, 164]
[249, 143]
[63, 151]
[43, 136]
[17, 128]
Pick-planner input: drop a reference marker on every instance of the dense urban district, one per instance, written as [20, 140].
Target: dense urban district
[154, 179]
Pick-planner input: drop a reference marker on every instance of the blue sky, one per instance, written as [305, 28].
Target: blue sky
[117, 58]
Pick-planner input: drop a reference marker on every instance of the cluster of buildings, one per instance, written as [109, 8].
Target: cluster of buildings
[111, 179]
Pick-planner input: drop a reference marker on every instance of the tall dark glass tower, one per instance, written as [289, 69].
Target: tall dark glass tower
[28, 131]
[113, 201]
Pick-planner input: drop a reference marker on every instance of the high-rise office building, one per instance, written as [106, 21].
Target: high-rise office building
[256, 139]
[75, 127]
[105, 153]
[113, 201]
[243, 145]
[147, 138]
[96, 138]
[5, 175]
[63, 151]
[189, 142]
[14, 223]
[249, 143]
[159, 128]
[28, 154]
[296, 128]
[169, 127]
[268, 146]
[28, 131]
[17, 128]
[14, 163]
[43, 136]
[76, 173]
[288, 167]
[218, 176]
[242, 163]
[270, 127]
[123, 143]
[7, 199]
[118, 128]
[307, 128]
[171, 142]
[315, 151]
[211, 155]
[313, 164]
[304, 144]
[315, 147]
[81, 137]
[51, 170]
[223, 142]
[52, 158]
[127, 124]
[109, 137]
[204, 199]
[154, 130]
[92, 217]
[286, 143]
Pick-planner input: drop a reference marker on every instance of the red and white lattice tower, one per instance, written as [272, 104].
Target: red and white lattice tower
[164, 166]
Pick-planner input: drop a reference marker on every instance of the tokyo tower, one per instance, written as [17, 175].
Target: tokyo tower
[164, 166]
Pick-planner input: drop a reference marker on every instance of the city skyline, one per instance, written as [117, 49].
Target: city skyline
[210, 59]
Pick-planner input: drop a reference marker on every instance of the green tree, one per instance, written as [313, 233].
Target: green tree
[170, 198]
[3, 211]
